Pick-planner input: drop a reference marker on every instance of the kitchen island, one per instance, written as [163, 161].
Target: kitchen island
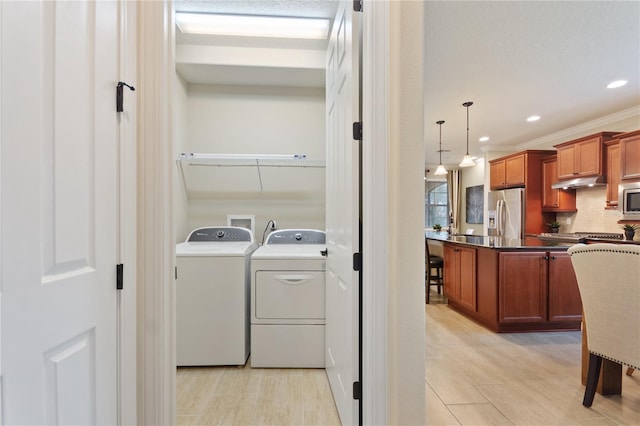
[510, 285]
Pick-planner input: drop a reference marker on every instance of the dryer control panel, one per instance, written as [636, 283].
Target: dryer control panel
[297, 236]
[221, 234]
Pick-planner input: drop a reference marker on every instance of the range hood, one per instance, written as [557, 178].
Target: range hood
[585, 182]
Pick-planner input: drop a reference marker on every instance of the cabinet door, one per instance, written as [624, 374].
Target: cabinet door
[522, 287]
[555, 200]
[564, 297]
[497, 173]
[589, 157]
[451, 272]
[549, 195]
[566, 162]
[467, 277]
[515, 170]
[613, 174]
[630, 153]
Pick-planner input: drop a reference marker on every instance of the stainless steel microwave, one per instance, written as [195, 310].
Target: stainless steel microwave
[629, 200]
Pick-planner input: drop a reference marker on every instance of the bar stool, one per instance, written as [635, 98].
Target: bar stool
[431, 263]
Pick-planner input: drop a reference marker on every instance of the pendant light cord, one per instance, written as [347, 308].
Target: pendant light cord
[467, 105]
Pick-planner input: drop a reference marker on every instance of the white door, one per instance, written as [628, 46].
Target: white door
[342, 215]
[58, 212]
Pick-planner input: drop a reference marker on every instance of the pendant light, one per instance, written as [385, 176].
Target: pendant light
[467, 161]
[440, 170]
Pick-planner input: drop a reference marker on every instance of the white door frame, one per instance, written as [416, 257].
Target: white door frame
[156, 241]
[375, 83]
[127, 249]
[156, 295]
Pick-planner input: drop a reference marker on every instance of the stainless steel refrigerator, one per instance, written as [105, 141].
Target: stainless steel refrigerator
[506, 213]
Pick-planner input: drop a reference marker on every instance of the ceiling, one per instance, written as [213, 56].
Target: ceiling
[512, 59]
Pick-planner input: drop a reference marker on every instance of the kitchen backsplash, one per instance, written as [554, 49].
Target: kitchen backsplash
[591, 215]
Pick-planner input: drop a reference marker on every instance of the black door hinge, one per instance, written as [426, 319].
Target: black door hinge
[357, 261]
[357, 390]
[120, 95]
[357, 130]
[119, 276]
[175, 272]
[357, 5]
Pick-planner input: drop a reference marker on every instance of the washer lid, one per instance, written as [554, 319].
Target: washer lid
[212, 248]
[289, 251]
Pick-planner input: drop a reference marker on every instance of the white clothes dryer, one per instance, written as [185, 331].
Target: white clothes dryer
[213, 296]
[287, 300]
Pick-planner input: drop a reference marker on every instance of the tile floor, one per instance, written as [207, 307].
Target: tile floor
[473, 377]
[246, 396]
[477, 377]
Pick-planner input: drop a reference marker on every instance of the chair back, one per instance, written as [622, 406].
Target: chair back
[609, 282]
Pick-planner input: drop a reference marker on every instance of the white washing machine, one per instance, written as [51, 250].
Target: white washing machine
[287, 300]
[213, 296]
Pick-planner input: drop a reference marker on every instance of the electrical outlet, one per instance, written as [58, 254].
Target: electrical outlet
[274, 225]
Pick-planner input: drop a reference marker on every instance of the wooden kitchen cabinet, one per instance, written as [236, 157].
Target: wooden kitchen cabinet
[460, 275]
[564, 296]
[538, 287]
[508, 172]
[613, 172]
[512, 290]
[555, 200]
[630, 155]
[522, 287]
[582, 157]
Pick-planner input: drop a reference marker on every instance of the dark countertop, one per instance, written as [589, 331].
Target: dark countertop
[501, 243]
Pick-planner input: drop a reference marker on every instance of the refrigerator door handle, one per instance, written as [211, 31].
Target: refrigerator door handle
[500, 218]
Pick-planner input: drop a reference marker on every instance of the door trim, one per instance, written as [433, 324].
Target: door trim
[155, 233]
[126, 254]
[375, 148]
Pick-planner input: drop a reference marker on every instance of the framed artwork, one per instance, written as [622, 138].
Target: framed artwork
[475, 204]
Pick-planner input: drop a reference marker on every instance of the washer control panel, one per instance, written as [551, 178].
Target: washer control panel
[297, 236]
[221, 233]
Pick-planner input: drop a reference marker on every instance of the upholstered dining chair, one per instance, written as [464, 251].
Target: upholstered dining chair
[432, 263]
[609, 282]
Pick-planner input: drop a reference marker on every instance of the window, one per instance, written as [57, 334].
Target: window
[436, 204]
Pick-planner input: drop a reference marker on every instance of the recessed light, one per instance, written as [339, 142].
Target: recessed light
[252, 26]
[533, 118]
[484, 139]
[616, 84]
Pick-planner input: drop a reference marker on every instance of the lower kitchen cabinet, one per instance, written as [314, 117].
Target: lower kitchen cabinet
[513, 290]
[460, 275]
[564, 297]
[522, 287]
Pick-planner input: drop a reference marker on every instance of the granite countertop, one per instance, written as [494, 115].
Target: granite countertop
[528, 243]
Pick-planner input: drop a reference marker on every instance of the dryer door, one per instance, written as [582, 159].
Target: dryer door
[289, 295]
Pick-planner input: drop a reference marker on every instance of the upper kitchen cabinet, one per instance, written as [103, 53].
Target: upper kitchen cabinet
[555, 200]
[612, 149]
[582, 157]
[516, 170]
[630, 155]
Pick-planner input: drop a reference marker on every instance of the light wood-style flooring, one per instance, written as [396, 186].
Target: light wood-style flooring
[473, 377]
[477, 377]
[258, 396]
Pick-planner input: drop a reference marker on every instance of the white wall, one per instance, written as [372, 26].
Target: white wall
[255, 120]
[180, 143]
